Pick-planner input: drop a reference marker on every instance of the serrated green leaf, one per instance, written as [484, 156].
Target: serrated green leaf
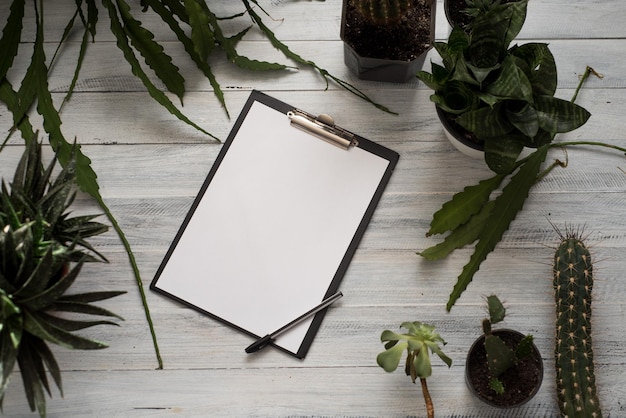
[168, 17]
[155, 93]
[201, 34]
[461, 236]
[11, 35]
[507, 205]
[152, 52]
[463, 205]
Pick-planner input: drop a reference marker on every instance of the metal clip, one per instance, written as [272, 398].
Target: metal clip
[323, 126]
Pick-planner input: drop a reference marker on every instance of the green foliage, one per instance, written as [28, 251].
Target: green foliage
[196, 27]
[418, 342]
[382, 12]
[573, 283]
[42, 251]
[503, 94]
[500, 357]
[497, 386]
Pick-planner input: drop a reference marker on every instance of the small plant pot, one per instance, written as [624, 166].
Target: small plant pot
[458, 138]
[521, 382]
[368, 64]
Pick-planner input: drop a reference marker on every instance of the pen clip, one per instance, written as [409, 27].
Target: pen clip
[323, 127]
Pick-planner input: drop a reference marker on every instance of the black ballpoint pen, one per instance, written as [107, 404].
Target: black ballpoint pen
[269, 338]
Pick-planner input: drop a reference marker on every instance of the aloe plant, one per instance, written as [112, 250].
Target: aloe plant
[42, 251]
[419, 341]
[505, 96]
[573, 283]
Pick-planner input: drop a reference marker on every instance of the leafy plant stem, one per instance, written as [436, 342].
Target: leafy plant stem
[588, 71]
[133, 263]
[592, 143]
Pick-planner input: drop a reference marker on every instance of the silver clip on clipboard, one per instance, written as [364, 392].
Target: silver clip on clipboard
[323, 127]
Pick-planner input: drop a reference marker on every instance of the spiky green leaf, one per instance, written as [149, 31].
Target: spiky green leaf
[463, 205]
[507, 205]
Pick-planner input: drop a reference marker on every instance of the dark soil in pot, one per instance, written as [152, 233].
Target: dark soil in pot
[404, 40]
[521, 382]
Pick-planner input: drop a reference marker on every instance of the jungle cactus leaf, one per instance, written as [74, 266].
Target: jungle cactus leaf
[201, 35]
[461, 236]
[11, 35]
[152, 52]
[507, 205]
[463, 205]
[122, 43]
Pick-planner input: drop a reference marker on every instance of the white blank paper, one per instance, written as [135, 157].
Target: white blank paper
[272, 227]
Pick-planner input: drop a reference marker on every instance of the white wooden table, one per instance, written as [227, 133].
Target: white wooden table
[150, 167]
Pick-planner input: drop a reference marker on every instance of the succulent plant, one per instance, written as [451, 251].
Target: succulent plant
[418, 342]
[500, 357]
[573, 282]
[42, 251]
[382, 12]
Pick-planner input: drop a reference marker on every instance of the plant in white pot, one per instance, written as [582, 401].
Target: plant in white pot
[501, 97]
[387, 40]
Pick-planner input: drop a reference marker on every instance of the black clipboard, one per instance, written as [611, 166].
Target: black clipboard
[278, 219]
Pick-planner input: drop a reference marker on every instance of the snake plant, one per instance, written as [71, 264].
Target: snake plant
[42, 251]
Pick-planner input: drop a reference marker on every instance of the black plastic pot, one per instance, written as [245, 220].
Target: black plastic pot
[529, 369]
[380, 69]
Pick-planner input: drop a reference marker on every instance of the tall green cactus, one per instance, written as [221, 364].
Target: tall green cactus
[382, 11]
[573, 281]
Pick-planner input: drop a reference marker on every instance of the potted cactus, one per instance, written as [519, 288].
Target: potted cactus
[419, 340]
[42, 251]
[387, 40]
[573, 282]
[503, 368]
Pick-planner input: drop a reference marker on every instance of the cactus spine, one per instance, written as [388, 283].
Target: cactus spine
[382, 11]
[573, 281]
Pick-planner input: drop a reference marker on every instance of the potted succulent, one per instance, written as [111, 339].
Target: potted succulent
[387, 40]
[419, 340]
[42, 251]
[503, 367]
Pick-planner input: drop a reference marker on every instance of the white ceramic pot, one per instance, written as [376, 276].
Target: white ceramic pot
[468, 148]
